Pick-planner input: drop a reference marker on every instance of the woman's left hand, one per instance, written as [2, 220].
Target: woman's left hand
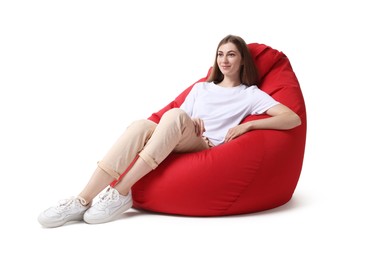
[199, 126]
[236, 131]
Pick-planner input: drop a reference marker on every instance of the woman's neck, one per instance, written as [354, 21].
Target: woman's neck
[229, 83]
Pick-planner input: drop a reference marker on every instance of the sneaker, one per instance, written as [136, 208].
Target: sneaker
[111, 205]
[71, 209]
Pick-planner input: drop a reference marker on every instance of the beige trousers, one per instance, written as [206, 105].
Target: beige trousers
[153, 142]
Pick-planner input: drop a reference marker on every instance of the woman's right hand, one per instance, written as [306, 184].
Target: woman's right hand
[199, 126]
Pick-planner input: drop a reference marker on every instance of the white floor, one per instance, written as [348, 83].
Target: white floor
[310, 226]
[74, 74]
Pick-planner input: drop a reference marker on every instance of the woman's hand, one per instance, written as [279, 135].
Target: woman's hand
[236, 131]
[199, 126]
[281, 118]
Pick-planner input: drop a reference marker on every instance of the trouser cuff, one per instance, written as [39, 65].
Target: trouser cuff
[108, 170]
[148, 159]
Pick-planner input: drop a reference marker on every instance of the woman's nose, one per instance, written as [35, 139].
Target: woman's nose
[224, 59]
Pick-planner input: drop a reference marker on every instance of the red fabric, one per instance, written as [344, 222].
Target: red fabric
[257, 171]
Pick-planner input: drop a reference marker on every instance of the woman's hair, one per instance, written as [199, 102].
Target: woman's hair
[248, 71]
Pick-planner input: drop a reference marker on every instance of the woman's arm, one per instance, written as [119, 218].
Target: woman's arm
[281, 118]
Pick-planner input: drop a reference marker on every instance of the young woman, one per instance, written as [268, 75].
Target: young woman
[210, 115]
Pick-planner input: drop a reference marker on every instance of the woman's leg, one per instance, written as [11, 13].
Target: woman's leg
[98, 181]
[118, 158]
[175, 132]
[139, 169]
[144, 138]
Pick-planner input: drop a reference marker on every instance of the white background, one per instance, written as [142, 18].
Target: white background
[74, 74]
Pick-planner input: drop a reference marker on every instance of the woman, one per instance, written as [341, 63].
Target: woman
[210, 115]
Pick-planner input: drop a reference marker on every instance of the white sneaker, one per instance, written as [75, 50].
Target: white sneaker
[71, 209]
[111, 204]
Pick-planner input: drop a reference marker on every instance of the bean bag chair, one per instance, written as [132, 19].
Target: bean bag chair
[257, 171]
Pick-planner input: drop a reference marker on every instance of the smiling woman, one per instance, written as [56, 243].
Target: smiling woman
[198, 147]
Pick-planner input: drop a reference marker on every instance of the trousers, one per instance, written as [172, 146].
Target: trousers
[153, 142]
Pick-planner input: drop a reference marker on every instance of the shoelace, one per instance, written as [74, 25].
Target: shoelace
[65, 204]
[107, 197]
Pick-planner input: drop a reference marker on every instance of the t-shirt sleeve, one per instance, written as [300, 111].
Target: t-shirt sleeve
[189, 101]
[263, 102]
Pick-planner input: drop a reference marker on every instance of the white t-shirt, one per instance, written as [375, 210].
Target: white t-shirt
[223, 108]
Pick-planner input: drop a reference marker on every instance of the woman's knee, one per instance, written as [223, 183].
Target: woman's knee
[175, 113]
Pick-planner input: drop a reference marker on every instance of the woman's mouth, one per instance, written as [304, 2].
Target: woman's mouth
[225, 67]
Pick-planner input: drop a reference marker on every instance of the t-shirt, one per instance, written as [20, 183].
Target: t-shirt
[223, 108]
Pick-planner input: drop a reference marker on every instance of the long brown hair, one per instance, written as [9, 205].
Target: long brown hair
[248, 71]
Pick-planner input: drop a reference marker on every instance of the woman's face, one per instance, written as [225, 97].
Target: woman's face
[229, 60]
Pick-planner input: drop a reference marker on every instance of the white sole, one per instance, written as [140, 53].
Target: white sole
[112, 217]
[59, 223]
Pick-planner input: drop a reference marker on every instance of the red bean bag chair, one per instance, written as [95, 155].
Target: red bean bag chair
[257, 171]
